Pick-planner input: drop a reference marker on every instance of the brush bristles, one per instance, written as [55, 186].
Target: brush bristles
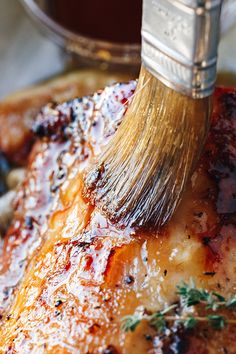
[141, 176]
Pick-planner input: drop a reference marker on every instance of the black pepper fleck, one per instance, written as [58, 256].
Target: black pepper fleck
[58, 303]
[206, 240]
[129, 279]
[39, 130]
[198, 214]
[148, 337]
[53, 188]
[83, 244]
[29, 222]
[110, 350]
[209, 273]
[61, 173]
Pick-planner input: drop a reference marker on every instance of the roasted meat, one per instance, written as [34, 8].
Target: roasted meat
[68, 275]
[18, 111]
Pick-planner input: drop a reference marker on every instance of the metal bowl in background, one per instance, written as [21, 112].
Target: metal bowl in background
[88, 50]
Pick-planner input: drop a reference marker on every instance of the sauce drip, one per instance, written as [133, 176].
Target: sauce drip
[115, 21]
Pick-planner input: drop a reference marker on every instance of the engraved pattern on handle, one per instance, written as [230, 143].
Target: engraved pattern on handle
[179, 43]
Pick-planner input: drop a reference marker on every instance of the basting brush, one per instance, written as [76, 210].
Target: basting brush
[142, 174]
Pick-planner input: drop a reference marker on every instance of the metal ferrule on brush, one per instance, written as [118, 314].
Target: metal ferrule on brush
[179, 43]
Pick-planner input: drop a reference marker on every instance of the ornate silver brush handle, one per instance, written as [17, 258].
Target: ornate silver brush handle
[180, 41]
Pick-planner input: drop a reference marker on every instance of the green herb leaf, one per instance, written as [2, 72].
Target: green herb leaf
[158, 322]
[219, 297]
[190, 322]
[216, 321]
[175, 315]
[130, 323]
[231, 303]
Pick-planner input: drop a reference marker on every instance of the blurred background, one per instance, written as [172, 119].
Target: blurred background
[27, 56]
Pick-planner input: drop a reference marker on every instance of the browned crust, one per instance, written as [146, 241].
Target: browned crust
[74, 290]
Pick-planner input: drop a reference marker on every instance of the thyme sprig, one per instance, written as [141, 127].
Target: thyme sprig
[189, 297]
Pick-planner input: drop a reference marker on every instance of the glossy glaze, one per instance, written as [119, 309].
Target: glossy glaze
[18, 111]
[81, 274]
[115, 21]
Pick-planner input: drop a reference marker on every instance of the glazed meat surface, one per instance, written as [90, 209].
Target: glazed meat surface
[69, 276]
[18, 111]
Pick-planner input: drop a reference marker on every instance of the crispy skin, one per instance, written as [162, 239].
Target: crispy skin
[18, 111]
[75, 275]
[50, 163]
